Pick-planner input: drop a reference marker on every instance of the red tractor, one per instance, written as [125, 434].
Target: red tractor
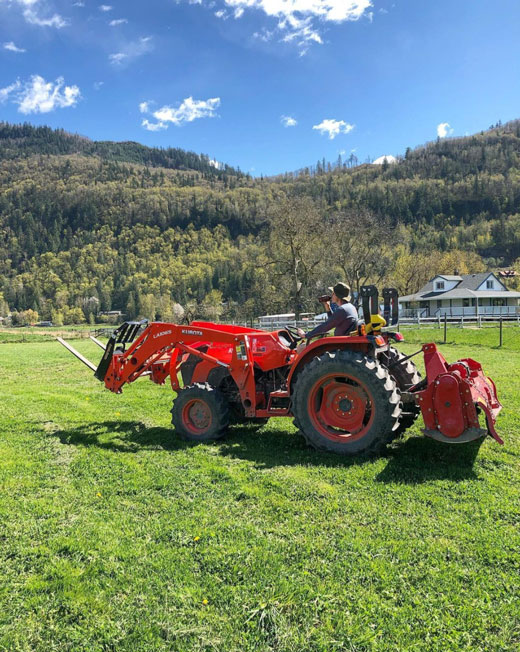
[349, 395]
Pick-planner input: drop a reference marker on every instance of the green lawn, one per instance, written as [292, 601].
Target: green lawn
[487, 336]
[26, 334]
[115, 536]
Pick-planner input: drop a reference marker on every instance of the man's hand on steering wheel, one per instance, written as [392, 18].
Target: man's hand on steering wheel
[295, 333]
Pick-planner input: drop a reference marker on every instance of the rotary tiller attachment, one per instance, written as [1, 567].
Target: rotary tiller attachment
[454, 397]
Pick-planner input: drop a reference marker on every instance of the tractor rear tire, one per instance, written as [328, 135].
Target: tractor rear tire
[200, 413]
[405, 375]
[346, 403]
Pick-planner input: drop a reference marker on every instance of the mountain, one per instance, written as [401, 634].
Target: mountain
[136, 228]
[25, 140]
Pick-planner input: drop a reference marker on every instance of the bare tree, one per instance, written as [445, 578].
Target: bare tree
[296, 247]
[361, 245]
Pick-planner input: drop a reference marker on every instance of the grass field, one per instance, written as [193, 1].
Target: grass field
[115, 536]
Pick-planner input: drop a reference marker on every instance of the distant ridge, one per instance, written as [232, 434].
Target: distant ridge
[25, 140]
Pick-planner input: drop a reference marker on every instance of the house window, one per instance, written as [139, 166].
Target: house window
[465, 303]
[489, 285]
[439, 285]
[439, 303]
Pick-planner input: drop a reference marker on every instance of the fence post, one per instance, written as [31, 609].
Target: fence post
[462, 321]
[445, 327]
[501, 333]
[439, 325]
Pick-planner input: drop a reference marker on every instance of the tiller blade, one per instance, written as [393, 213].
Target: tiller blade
[454, 396]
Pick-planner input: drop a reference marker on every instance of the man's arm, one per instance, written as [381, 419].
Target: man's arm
[334, 319]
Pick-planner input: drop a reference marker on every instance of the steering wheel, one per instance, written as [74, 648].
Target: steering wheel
[293, 334]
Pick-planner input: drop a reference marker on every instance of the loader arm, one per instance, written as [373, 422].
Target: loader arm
[157, 349]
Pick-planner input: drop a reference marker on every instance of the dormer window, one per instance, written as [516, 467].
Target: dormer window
[439, 285]
[490, 285]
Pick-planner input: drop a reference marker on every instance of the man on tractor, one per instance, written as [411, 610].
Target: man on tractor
[344, 319]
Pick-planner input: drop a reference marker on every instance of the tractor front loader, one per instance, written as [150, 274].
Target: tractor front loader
[349, 395]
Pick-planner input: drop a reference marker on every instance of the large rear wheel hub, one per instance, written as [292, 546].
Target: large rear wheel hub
[340, 407]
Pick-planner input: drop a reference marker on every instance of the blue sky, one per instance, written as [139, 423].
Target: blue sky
[267, 85]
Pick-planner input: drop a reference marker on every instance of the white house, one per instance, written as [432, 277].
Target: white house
[455, 296]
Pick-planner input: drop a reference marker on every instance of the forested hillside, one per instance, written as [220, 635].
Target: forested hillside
[88, 227]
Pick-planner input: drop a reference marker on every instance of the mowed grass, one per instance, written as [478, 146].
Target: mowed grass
[115, 536]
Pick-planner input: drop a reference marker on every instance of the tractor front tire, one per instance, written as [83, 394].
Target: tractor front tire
[346, 403]
[200, 413]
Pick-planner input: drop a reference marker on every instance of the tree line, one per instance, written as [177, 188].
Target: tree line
[87, 228]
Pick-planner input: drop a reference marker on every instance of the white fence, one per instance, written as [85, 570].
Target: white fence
[467, 312]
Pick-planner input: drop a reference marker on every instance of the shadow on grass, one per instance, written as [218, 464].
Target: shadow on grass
[420, 459]
[416, 460]
[121, 436]
[272, 447]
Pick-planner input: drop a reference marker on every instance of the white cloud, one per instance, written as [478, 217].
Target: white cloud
[333, 128]
[188, 111]
[13, 48]
[328, 10]
[386, 157]
[6, 92]
[287, 121]
[118, 21]
[153, 126]
[300, 21]
[105, 8]
[265, 35]
[98, 85]
[444, 129]
[33, 18]
[132, 51]
[78, 4]
[215, 163]
[39, 96]
[117, 58]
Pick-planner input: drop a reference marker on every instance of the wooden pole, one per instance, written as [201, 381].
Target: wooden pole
[445, 327]
[501, 333]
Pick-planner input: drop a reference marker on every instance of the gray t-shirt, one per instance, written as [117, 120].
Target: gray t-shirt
[343, 320]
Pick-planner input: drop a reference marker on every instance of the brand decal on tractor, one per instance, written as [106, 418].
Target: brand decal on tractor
[161, 334]
[188, 331]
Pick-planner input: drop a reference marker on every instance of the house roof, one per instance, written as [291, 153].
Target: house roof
[466, 282]
[461, 293]
[473, 281]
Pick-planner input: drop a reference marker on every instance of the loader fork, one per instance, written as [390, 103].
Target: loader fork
[126, 333]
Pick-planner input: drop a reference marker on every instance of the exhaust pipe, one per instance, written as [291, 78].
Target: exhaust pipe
[77, 354]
